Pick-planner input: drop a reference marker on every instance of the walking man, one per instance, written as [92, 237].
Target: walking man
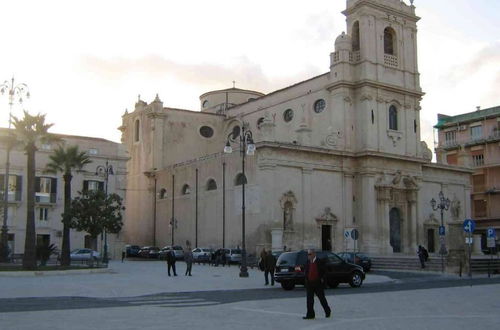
[269, 265]
[315, 279]
[421, 253]
[188, 258]
[171, 262]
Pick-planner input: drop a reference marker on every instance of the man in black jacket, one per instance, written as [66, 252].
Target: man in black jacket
[315, 279]
[171, 261]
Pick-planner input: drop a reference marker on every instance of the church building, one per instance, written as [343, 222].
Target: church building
[336, 152]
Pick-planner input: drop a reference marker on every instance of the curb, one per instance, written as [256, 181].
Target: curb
[57, 272]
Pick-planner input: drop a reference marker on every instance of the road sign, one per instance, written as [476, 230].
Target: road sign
[490, 233]
[490, 242]
[469, 225]
[468, 240]
[442, 231]
[354, 234]
[347, 234]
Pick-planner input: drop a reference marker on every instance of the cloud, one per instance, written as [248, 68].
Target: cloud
[487, 58]
[205, 75]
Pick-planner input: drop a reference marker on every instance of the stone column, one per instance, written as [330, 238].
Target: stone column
[412, 222]
[367, 225]
[383, 199]
[307, 217]
[476, 247]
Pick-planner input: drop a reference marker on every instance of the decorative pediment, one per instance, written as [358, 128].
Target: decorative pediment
[327, 217]
[431, 220]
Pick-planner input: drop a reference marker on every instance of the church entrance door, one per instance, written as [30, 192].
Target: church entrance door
[395, 230]
[326, 237]
[430, 240]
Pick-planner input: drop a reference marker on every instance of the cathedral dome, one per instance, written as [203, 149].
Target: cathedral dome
[343, 42]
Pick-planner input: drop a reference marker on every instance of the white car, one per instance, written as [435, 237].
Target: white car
[84, 254]
[202, 254]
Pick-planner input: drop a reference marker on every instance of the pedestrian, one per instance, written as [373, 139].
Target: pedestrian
[188, 258]
[269, 265]
[223, 258]
[315, 273]
[171, 262]
[421, 253]
[124, 253]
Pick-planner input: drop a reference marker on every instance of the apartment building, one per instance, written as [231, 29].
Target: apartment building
[473, 140]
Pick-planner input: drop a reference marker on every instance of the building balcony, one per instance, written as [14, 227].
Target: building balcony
[471, 141]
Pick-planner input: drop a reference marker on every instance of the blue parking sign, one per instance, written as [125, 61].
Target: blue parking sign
[490, 233]
[442, 231]
[469, 225]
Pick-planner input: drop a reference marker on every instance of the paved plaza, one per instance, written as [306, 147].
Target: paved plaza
[140, 295]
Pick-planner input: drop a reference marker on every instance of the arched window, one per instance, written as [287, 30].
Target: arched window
[186, 190]
[389, 41]
[137, 128]
[355, 36]
[163, 193]
[393, 118]
[240, 179]
[211, 185]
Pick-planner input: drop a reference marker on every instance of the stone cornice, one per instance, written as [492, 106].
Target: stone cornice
[385, 9]
[375, 84]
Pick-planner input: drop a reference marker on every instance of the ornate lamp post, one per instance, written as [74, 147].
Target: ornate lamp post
[16, 94]
[247, 147]
[105, 172]
[443, 205]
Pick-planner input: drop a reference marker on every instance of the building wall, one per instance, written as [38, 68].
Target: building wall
[99, 151]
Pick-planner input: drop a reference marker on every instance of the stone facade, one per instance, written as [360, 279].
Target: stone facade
[49, 204]
[336, 152]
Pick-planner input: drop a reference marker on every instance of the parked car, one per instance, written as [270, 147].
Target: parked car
[150, 252]
[202, 254]
[233, 256]
[358, 258]
[84, 255]
[132, 250]
[178, 251]
[290, 270]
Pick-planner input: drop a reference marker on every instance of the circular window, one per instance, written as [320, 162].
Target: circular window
[206, 131]
[259, 122]
[319, 106]
[288, 115]
[205, 103]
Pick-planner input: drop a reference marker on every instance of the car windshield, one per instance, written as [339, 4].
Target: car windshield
[235, 251]
[292, 258]
[177, 248]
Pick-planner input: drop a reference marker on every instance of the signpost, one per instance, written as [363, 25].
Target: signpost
[442, 231]
[490, 237]
[355, 236]
[469, 226]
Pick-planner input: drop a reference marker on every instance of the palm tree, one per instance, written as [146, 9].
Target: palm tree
[65, 161]
[31, 130]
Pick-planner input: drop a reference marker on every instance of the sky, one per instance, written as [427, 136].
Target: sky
[85, 62]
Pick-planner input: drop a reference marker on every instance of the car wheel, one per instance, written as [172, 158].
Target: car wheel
[287, 286]
[356, 280]
[333, 284]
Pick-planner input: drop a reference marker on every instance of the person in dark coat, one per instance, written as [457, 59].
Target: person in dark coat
[422, 255]
[171, 262]
[315, 274]
[269, 265]
[188, 258]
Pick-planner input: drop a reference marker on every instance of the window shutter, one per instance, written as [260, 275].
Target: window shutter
[85, 185]
[37, 184]
[53, 190]
[101, 186]
[19, 187]
[2, 183]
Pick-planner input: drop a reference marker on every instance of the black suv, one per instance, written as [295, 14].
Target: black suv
[290, 270]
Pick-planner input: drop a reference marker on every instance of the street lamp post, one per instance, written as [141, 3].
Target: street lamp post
[16, 94]
[247, 147]
[105, 172]
[443, 205]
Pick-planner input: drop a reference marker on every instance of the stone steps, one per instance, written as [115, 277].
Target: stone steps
[405, 263]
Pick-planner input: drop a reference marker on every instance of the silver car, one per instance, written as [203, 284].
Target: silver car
[84, 255]
[233, 255]
[202, 254]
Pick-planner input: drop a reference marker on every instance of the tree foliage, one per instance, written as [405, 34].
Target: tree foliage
[93, 212]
